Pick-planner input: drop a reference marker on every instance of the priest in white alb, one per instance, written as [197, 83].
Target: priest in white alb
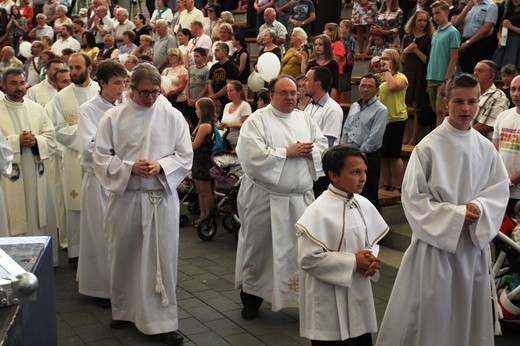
[280, 150]
[64, 112]
[6, 159]
[31, 136]
[454, 195]
[92, 273]
[142, 152]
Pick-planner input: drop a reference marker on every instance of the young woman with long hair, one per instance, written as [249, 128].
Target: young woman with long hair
[235, 112]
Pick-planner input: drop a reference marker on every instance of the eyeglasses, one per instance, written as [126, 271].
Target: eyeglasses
[287, 93]
[146, 93]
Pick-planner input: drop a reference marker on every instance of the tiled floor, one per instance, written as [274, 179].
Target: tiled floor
[209, 307]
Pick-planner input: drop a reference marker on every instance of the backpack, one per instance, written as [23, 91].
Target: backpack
[218, 141]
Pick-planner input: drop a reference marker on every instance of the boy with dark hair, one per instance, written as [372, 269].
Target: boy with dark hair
[337, 256]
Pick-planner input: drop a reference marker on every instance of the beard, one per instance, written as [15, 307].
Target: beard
[78, 80]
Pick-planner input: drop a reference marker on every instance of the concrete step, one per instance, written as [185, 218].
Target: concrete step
[399, 237]
[393, 214]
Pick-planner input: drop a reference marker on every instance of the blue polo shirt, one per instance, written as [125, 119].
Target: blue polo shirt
[443, 40]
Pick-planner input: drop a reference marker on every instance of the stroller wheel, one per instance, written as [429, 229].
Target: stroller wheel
[183, 220]
[230, 224]
[193, 207]
[207, 229]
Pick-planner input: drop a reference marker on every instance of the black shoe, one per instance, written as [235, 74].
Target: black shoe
[171, 338]
[249, 313]
[118, 324]
[73, 260]
[103, 303]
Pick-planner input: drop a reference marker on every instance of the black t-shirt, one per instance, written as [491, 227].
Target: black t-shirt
[220, 73]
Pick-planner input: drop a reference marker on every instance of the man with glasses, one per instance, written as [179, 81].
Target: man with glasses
[64, 111]
[364, 128]
[142, 152]
[280, 151]
[454, 195]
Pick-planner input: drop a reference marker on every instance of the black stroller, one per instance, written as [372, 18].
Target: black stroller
[226, 174]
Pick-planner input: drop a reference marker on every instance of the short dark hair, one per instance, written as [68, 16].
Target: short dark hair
[16, 71]
[223, 46]
[108, 69]
[240, 38]
[142, 17]
[333, 159]
[130, 34]
[493, 67]
[462, 80]
[322, 75]
[202, 51]
[371, 76]
[53, 61]
[61, 70]
[272, 84]
[264, 95]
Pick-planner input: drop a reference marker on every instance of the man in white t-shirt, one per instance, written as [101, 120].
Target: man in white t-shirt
[190, 14]
[506, 138]
[199, 40]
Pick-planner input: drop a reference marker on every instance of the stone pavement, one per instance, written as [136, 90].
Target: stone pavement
[209, 306]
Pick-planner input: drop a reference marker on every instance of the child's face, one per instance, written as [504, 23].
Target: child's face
[379, 41]
[352, 177]
[343, 29]
[507, 78]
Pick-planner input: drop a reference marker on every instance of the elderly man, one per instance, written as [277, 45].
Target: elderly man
[163, 43]
[102, 25]
[41, 28]
[505, 139]
[477, 19]
[92, 266]
[364, 128]
[6, 159]
[455, 192]
[44, 91]
[34, 65]
[190, 14]
[65, 40]
[142, 169]
[31, 137]
[492, 100]
[64, 111]
[271, 23]
[122, 24]
[280, 149]
[8, 59]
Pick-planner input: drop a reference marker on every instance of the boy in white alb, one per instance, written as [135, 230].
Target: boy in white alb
[337, 255]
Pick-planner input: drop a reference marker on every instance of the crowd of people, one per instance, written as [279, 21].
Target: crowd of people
[106, 115]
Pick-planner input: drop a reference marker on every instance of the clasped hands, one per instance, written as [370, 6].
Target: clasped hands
[303, 149]
[27, 139]
[145, 168]
[366, 263]
[472, 214]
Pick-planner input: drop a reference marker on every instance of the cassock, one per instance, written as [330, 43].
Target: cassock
[6, 159]
[64, 113]
[336, 301]
[442, 293]
[26, 189]
[92, 272]
[142, 215]
[274, 192]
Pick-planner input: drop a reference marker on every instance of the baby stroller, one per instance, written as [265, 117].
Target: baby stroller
[226, 174]
[187, 194]
[506, 276]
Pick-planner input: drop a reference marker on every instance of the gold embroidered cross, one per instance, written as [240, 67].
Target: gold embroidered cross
[74, 194]
[294, 284]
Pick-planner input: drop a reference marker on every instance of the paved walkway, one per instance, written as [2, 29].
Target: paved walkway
[209, 306]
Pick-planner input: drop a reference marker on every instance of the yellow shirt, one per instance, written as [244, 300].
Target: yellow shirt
[394, 100]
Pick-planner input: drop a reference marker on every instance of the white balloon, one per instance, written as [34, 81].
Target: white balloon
[25, 49]
[255, 82]
[268, 66]
[166, 84]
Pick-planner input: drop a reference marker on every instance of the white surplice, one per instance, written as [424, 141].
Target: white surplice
[127, 133]
[336, 301]
[64, 113]
[274, 192]
[26, 190]
[442, 293]
[92, 272]
[42, 93]
[6, 159]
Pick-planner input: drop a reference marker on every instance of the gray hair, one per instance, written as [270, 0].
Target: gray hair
[301, 34]
[123, 10]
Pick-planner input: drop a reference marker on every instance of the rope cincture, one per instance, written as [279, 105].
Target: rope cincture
[156, 197]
